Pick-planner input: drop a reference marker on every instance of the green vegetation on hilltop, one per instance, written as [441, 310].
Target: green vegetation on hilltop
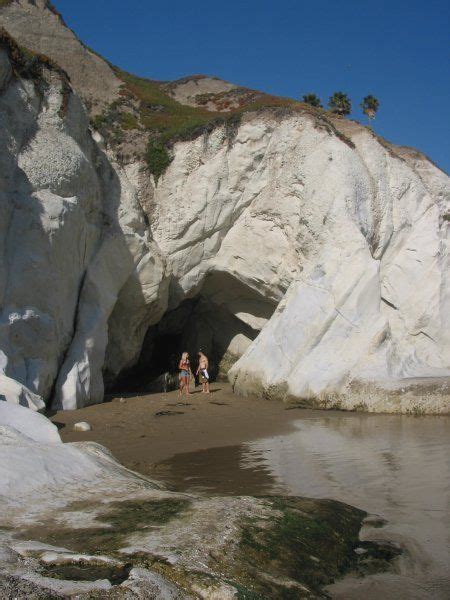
[172, 121]
[160, 113]
[312, 99]
[147, 106]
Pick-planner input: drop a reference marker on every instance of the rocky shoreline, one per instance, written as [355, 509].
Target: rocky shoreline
[74, 521]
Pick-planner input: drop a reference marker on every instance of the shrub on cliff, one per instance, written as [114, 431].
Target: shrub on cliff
[312, 100]
[157, 158]
[128, 120]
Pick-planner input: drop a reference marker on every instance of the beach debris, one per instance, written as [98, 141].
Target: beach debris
[168, 413]
[82, 426]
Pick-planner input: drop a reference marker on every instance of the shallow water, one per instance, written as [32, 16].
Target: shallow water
[393, 466]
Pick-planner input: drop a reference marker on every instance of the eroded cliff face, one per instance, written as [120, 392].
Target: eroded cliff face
[314, 255]
[72, 233]
[354, 230]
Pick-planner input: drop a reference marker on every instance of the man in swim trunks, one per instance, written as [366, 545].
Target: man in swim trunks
[202, 372]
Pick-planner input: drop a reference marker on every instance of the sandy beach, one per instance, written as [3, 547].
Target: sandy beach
[144, 430]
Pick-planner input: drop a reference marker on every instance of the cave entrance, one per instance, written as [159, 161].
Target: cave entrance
[222, 320]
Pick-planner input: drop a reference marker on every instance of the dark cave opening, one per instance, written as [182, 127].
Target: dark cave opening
[221, 320]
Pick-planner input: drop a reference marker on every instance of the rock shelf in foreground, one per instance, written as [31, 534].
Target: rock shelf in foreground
[74, 521]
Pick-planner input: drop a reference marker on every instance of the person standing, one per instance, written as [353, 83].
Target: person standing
[202, 372]
[185, 373]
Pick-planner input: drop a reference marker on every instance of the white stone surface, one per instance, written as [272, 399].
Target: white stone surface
[82, 426]
[357, 235]
[36, 464]
[66, 587]
[351, 237]
[82, 238]
[146, 584]
[39, 478]
[52, 557]
[16, 393]
[32, 425]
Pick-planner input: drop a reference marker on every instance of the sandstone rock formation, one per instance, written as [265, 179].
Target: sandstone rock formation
[194, 90]
[72, 234]
[363, 324]
[43, 28]
[298, 243]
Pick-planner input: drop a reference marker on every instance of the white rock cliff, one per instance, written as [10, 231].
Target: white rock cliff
[357, 236]
[327, 254]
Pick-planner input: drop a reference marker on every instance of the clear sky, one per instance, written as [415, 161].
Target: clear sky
[397, 50]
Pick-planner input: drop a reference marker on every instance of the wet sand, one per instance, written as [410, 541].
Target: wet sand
[393, 466]
[141, 431]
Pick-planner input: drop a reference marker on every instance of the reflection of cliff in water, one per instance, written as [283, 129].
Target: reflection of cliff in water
[225, 470]
[392, 466]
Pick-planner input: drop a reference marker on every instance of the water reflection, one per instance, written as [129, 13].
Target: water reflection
[390, 465]
[230, 470]
[393, 466]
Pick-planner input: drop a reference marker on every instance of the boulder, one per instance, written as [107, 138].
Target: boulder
[31, 425]
[37, 469]
[82, 426]
[16, 393]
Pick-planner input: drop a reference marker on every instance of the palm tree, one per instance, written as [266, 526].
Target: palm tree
[313, 100]
[340, 104]
[370, 106]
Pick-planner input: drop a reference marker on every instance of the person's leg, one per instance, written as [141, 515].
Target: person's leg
[186, 385]
[180, 387]
[207, 386]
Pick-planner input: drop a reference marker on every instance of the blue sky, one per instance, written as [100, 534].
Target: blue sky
[397, 50]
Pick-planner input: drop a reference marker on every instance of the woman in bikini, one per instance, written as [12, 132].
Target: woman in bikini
[185, 373]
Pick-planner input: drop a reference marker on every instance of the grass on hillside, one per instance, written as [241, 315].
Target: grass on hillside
[145, 106]
[166, 121]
